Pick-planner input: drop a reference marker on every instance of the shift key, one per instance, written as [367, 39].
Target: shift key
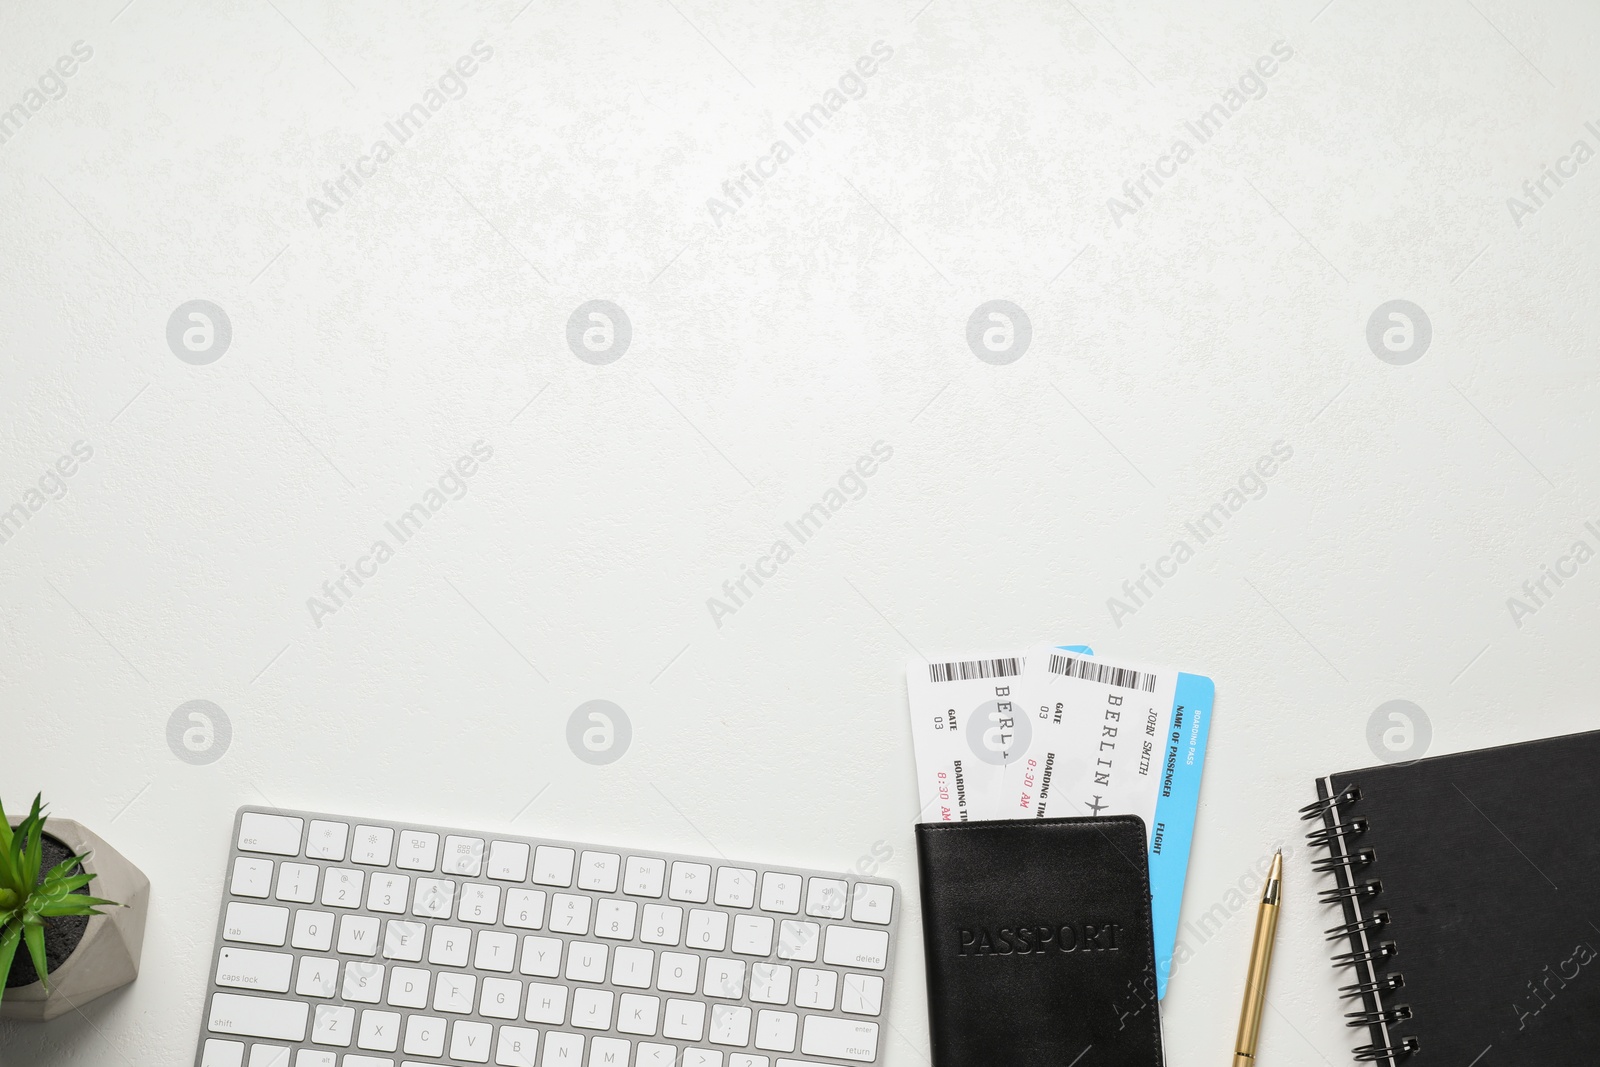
[284, 1020]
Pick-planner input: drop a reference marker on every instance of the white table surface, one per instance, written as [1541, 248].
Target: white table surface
[374, 345]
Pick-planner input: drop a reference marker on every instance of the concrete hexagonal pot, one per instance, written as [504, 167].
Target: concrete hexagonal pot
[107, 956]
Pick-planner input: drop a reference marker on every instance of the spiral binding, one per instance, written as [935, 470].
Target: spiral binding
[1339, 838]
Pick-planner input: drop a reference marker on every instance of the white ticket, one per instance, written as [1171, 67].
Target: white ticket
[966, 733]
[1098, 740]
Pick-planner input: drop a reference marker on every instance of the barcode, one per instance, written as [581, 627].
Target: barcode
[1102, 672]
[975, 668]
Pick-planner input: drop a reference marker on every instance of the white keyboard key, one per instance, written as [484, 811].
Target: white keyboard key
[651, 1054]
[826, 898]
[277, 834]
[358, 935]
[552, 865]
[744, 1059]
[643, 876]
[632, 967]
[313, 931]
[736, 887]
[419, 850]
[872, 904]
[541, 957]
[615, 919]
[586, 961]
[775, 1030]
[591, 1008]
[222, 1053]
[685, 1020]
[798, 940]
[846, 946]
[781, 892]
[379, 1032]
[862, 994]
[816, 989]
[425, 1035]
[663, 924]
[333, 1024]
[525, 909]
[469, 1042]
[562, 1049]
[243, 968]
[327, 840]
[841, 1038]
[388, 893]
[408, 987]
[256, 924]
[508, 860]
[363, 982]
[373, 845]
[269, 1056]
[496, 951]
[569, 913]
[448, 946]
[690, 882]
[752, 935]
[434, 898]
[515, 1046]
[454, 992]
[351, 1060]
[769, 983]
[251, 878]
[730, 1025]
[701, 1057]
[280, 1020]
[608, 1051]
[341, 887]
[479, 903]
[297, 882]
[403, 940]
[599, 871]
[639, 1014]
[679, 973]
[463, 856]
[501, 998]
[546, 1004]
[318, 977]
[708, 930]
[724, 978]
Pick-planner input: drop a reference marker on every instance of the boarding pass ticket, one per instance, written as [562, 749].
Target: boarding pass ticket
[1060, 732]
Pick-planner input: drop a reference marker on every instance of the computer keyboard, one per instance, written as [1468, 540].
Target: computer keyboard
[356, 942]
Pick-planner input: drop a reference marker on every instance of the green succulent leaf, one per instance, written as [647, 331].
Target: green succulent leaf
[75, 905]
[9, 940]
[33, 854]
[33, 937]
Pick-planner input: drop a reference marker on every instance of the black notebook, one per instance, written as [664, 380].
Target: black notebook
[1470, 886]
[1038, 943]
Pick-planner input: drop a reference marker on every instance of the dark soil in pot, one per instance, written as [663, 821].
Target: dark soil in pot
[61, 935]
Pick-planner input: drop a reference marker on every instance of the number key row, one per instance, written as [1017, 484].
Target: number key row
[425, 851]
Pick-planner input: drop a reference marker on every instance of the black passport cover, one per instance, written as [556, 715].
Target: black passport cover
[1488, 864]
[1038, 943]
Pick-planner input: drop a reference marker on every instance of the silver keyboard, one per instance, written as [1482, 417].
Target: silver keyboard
[352, 942]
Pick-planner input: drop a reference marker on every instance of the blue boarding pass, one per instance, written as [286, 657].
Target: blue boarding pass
[1113, 738]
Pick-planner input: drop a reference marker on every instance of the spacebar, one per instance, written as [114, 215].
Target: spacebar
[258, 1017]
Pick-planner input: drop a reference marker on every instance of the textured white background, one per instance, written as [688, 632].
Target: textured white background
[829, 312]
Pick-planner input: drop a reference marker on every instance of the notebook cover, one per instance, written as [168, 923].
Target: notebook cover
[1038, 943]
[1489, 864]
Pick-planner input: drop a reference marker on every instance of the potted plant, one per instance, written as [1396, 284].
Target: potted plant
[57, 948]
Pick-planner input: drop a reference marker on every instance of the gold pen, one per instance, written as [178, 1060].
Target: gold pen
[1255, 989]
